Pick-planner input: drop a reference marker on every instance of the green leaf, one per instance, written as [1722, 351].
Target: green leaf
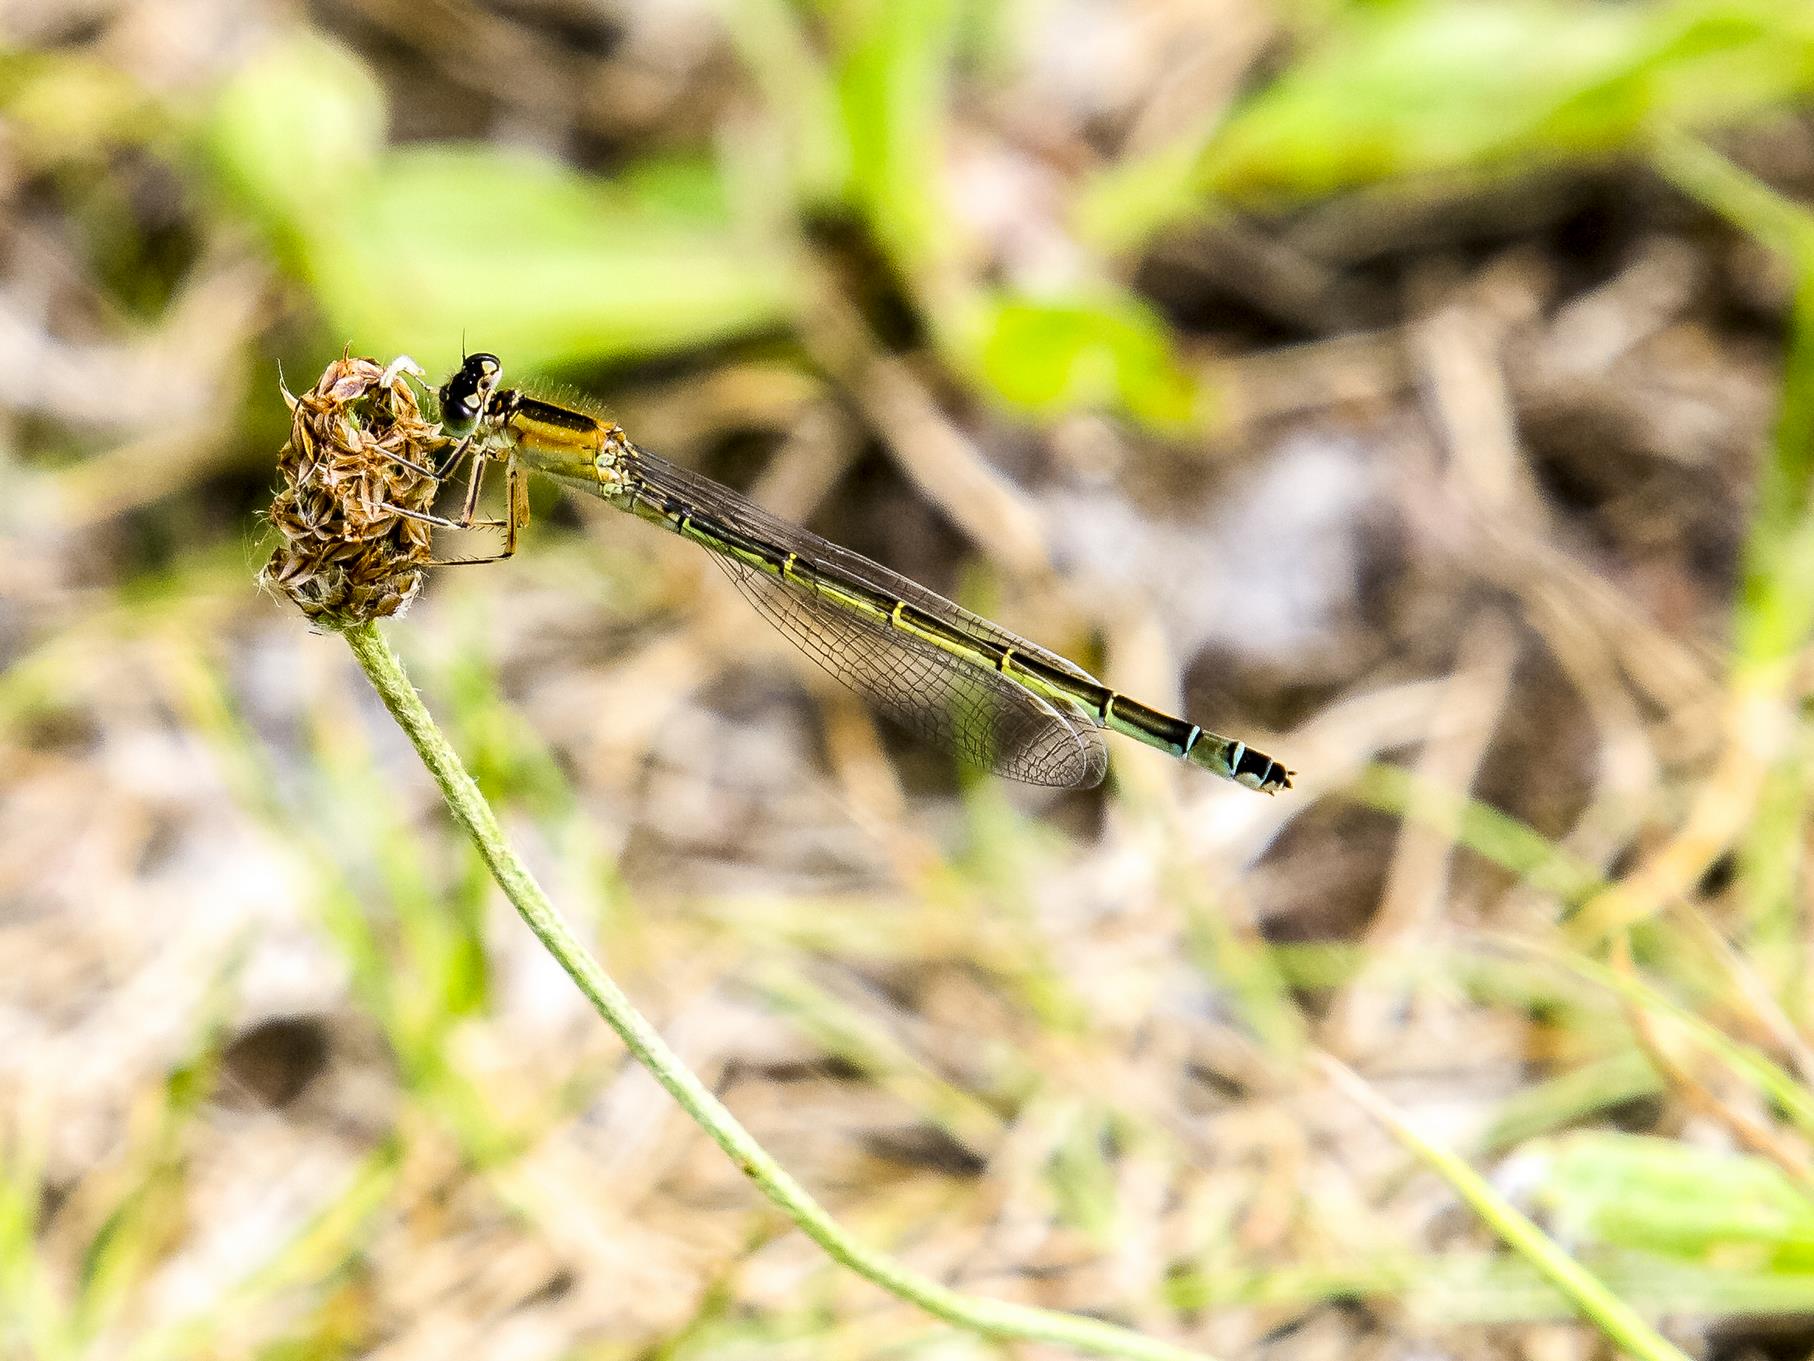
[1670, 1198]
[542, 265]
[297, 132]
[412, 249]
[1105, 352]
[1439, 88]
[893, 77]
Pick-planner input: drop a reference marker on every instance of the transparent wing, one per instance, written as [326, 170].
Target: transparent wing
[944, 699]
[738, 511]
[940, 698]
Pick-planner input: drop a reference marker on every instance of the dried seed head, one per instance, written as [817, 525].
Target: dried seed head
[349, 553]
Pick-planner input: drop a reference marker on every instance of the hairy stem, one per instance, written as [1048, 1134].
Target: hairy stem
[991, 1317]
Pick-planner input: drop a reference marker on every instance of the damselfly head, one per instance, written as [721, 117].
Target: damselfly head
[465, 396]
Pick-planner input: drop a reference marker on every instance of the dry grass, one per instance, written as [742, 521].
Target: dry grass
[1481, 535]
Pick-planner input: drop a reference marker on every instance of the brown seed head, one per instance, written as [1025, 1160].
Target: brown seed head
[348, 554]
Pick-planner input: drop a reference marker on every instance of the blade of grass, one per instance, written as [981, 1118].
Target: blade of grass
[840, 1028]
[150, 1190]
[1483, 829]
[1742, 1059]
[34, 1317]
[1615, 1318]
[1775, 611]
[1572, 1095]
[312, 1259]
[1475, 1289]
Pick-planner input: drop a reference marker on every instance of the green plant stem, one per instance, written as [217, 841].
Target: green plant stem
[991, 1317]
[1618, 1320]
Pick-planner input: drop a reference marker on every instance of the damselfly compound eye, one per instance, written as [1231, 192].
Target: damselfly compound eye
[464, 395]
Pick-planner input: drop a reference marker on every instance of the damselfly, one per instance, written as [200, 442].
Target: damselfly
[950, 676]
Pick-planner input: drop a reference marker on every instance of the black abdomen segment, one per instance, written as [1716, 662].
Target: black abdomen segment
[1136, 720]
[1227, 757]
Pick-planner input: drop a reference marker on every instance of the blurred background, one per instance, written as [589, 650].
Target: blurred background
[1420, 389]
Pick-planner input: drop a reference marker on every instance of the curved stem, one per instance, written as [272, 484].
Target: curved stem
[994, 1318]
